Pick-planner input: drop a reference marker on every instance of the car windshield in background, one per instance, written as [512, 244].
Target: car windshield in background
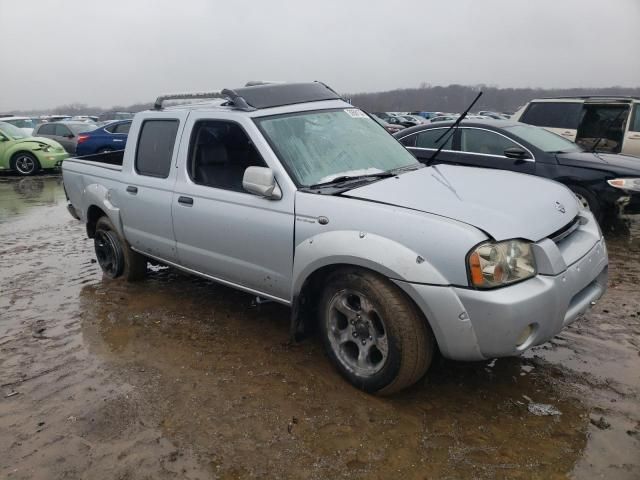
[81, 127]
[544, 139]
[12, 131]
[317, 147]
[23, 123]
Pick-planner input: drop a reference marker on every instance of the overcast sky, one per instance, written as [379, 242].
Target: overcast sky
[111, 52]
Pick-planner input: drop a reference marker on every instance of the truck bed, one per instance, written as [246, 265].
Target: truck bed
[107, 158]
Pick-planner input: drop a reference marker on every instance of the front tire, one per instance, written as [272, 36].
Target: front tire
[115, 257]
[373, 334]
[25, 163]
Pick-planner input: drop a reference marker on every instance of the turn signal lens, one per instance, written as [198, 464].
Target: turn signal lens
[493, 265]
[632, 184]
[82, 138]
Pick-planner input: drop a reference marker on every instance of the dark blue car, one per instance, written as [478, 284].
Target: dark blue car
[108, 138]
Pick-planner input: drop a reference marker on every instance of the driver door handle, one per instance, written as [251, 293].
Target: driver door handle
[185, 200]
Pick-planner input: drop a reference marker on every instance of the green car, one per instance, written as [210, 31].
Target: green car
[28, 155]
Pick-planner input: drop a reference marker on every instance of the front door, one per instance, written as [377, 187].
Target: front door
[222, 230]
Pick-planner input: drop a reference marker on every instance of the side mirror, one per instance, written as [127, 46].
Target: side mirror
[260, 181]
[516, 152]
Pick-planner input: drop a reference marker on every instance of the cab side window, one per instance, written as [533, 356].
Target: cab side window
[484, 141]
[219, 153]
[155, 147]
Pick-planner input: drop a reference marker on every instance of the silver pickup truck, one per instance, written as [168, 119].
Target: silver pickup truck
[290, 193]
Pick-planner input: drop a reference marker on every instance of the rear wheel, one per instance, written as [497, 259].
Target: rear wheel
[588, 200]
[373, 334]
[25, 163]
[115, 257]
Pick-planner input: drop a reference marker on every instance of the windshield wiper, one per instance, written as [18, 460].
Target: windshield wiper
[349, 178]
[451, 130]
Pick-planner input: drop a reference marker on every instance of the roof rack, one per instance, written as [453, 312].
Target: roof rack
[261, 95]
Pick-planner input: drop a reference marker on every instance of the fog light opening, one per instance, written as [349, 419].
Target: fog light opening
[526, 337]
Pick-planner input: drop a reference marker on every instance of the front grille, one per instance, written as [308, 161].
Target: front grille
[565, 231]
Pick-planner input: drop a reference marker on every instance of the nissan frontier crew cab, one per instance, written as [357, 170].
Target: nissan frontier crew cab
[289, 193]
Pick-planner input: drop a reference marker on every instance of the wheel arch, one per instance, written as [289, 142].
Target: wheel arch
[98, 200]
[350, 249]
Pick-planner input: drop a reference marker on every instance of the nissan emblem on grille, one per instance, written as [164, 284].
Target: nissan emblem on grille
[560, 207]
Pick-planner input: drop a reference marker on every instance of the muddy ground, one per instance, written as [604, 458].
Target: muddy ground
[176, 377]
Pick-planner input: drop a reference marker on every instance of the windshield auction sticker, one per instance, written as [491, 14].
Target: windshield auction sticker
[355, 113]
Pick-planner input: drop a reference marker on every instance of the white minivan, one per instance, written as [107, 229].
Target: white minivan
[610, 124]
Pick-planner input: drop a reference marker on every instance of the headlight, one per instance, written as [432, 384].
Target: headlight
[45, 148]
[632, 184]
[493, 265]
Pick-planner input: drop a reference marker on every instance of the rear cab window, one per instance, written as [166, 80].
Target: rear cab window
[155, 147]
[553, 114]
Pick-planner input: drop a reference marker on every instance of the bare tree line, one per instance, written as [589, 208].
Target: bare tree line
[451, 98]
[455, 98]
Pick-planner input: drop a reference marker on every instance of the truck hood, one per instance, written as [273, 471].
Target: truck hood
[503, 204]
[610, 162]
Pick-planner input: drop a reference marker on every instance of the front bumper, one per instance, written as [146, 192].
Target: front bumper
[475, 324]
[51, 159]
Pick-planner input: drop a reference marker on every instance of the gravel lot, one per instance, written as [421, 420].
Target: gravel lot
[176, 377]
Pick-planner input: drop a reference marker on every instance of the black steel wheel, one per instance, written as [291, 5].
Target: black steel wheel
[109, 253]
[115, 257]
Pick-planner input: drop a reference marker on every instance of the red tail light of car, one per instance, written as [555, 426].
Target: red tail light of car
[82, 138]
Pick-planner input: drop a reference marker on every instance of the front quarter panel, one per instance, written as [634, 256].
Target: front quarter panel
[399, 243]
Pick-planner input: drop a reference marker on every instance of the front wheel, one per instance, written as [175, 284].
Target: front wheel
[373, 334]
[115, 257]
[25, 163]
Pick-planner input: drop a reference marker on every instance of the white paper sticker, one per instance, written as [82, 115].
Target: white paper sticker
[355, 113]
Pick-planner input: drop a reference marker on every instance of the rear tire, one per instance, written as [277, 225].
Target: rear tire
[115, 257]
[25, 163]
[589, 200]
[373, 334]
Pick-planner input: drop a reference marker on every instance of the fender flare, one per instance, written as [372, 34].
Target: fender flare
[97, 195]
[350, 247]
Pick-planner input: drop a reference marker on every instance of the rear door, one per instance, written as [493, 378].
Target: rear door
[145, 198]
[562, 118]
[631, 145]
[481, 147]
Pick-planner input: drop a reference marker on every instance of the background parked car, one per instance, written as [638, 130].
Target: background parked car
[602, 182]
[611, 124]
[110, 137]
[388, 126]
[65, 133]
[494, 115]
[396, 119]
[27, 124]
[27, 155]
